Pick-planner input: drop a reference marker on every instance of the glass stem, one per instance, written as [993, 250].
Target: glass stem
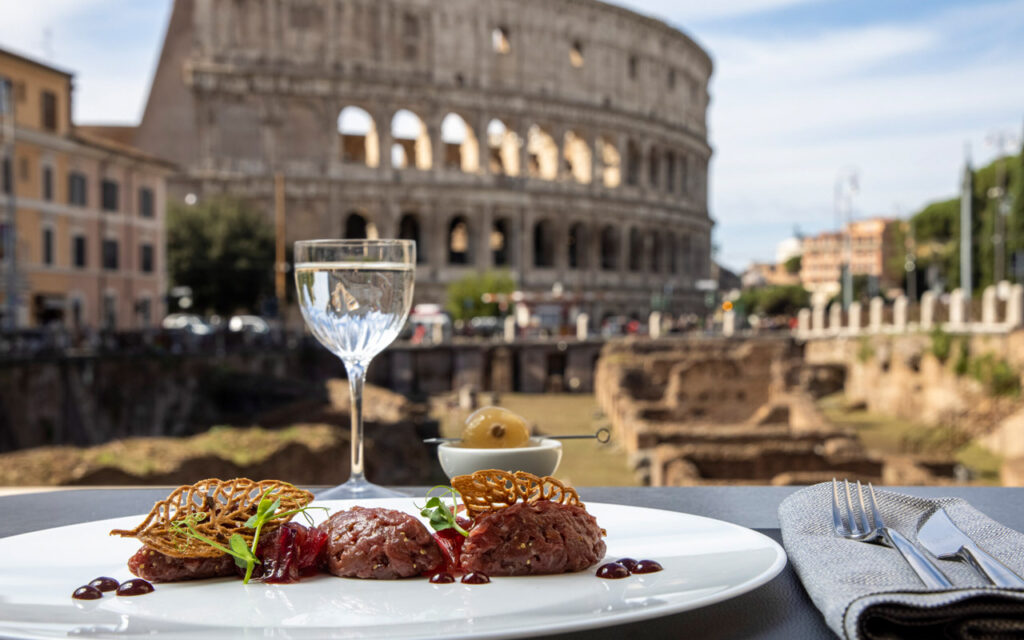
[356, 377]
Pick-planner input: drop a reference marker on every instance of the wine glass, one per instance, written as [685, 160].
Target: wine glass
[355, 297]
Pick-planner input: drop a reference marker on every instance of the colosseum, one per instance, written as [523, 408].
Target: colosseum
[562, 140]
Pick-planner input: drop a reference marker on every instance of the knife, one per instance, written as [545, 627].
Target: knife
[945, 540]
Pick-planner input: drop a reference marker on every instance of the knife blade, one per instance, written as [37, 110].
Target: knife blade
[943, 539]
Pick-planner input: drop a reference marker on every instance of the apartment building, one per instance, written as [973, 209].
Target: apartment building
[866, 244]
[82, 241]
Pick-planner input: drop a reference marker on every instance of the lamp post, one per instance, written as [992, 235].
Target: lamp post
[846, 187]
[1004, 142]
[10, 238]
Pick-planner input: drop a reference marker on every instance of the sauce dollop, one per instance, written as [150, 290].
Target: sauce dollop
[475, 577]
[629, 563]
[612, 571]
[646, 566]
[442, 577]
[103, 583]
[87, 592]
[136, 587]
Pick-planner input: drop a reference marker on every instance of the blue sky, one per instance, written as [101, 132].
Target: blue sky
[803, 90]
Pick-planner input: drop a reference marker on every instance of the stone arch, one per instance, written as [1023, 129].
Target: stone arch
[609, 248]
[670, 171]
[409, 228]
[579, 246]
[543, 244]
[501, 242]
[636, 250]
[578, 159]
[543, 153]
[411, 147]
[670, 250]
[461, 148]
[358, 227]
[654, 167]
[655, 252]
[633, 161]
[611, 162]
[503, 146]
[357, 134]
[460, 247]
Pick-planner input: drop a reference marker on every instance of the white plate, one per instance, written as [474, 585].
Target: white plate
[705, 561]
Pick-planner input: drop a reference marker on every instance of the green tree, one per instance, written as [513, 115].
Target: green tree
[792, 265]
[224, 251]
[774, 300]
[465, 296]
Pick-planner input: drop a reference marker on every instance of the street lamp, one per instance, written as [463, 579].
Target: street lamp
[1004, 142]
[847, 185]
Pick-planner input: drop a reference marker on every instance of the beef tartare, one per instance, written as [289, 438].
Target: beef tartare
[378, 543]
[533, 538]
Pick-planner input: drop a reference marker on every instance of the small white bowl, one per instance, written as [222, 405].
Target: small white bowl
[540, 459]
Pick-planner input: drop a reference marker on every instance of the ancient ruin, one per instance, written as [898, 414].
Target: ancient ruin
[563, 140]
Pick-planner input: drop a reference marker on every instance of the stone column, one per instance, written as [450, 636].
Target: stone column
[835, 318]
[957, 310]
[482, 238]
[989, 309]
[1015, 307]
[596, 163]
[483, 149]
[803, 322]
[899, 314]
[927, 310]
[510, 328]
[818, 318]
[654, 324]
[382, 118]
[582, 326]
[875, 313]
[729, 323]
[853, 321]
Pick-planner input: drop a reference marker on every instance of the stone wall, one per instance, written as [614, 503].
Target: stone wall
[707, 411]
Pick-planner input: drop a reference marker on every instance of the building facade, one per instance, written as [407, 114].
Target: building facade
[81, 216]
[867, 245]
[562, 140]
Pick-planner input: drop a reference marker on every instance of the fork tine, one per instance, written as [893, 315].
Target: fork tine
[863, 508]
[854, 525]
[837, 520]
[875, 513]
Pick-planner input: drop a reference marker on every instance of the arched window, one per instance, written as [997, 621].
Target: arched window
[654, 167]
[576, 54]
[673, 259]
[409, 229]
[500, 40]
[461, 150]
[411, 142]
[636, 250]
[577, 157]
[543, 244]
[543, 153]
[612, 163]
[501, 245]
[579, 247]
[358, 137]
[357, 227]
[670, 172]
[609, 248]
[632, 163]
[459, 245]
[656, 247]
[503, 149]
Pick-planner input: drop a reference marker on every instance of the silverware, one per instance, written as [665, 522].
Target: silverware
[602, 435]
[863, 531]
[945, 540]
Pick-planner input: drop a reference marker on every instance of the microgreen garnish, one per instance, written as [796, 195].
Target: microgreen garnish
[245, 556]
[442, 517]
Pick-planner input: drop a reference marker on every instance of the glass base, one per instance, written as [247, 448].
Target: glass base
[358, 489]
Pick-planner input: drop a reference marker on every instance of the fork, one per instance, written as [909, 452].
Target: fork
[861, 530]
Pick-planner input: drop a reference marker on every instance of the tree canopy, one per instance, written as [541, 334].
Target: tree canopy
[224, 251]
[774, 300]
[465, 296]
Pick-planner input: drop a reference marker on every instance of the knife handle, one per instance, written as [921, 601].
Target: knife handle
[930, 575]
[997, 572]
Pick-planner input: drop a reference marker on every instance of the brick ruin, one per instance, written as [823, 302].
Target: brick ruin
[720, 411]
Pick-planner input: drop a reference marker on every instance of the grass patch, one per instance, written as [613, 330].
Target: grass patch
[942, 344]
[865, 350]
[996, 374]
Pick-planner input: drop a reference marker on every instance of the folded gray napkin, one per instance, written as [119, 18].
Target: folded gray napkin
[867, 591]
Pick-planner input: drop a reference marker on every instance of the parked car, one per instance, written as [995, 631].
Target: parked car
[187, 322]
[248, 324]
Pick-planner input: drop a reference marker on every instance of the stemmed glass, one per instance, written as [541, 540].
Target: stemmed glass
[355, 297]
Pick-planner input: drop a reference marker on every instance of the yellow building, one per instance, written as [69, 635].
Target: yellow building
[88, 248]
[868, 245]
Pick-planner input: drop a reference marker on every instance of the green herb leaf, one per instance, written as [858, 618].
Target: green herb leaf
[438, 513]
[241, 551]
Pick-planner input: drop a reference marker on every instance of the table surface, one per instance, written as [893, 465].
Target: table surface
[778, 610]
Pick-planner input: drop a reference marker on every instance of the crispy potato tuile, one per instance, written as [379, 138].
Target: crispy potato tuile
[492, 489]
[227, 505]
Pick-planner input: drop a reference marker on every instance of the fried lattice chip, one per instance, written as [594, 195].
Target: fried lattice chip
[491, 489]
[227, 505]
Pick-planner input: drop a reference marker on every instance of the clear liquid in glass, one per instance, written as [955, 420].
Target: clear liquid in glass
[355, 309]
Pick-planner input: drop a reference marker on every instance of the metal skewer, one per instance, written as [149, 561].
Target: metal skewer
[602, 435]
